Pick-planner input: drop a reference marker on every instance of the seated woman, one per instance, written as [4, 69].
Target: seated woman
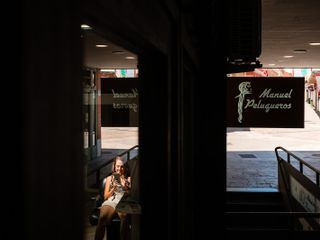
[117, 184]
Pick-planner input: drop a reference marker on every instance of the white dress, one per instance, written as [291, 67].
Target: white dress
[113, 200]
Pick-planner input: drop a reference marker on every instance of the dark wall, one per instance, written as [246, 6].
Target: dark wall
[51, 89]
[210, 129]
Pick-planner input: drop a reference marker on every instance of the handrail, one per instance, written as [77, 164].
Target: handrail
[97, 170]
[286, 183]
[301, 163]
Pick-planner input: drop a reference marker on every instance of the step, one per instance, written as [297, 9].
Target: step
[248, 206]
[253, 194]
[255, 209]
[254, 201]
[256, 234]
[256, 220]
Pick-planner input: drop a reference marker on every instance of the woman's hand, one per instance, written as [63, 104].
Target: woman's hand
[127, 185]
[114, 188]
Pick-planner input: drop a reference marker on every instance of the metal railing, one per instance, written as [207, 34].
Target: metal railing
[291, 217]
[286, 183]
[302, 163]
[97, 170]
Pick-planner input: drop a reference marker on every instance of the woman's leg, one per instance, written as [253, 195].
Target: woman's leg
[124, 226]
[106, 214]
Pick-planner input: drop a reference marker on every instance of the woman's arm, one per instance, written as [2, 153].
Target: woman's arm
[107, 191]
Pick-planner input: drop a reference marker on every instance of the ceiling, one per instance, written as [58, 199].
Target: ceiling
[110, 57]
[287, 25]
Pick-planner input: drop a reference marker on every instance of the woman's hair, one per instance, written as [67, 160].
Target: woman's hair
[125, 170]
[115, 161]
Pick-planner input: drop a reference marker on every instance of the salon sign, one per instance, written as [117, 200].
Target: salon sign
[271, 102]
[119, 102]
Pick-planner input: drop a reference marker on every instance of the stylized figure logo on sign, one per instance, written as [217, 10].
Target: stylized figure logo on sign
[244, 88]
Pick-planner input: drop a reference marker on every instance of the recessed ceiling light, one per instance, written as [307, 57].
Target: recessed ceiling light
[85, 26]
[300, 51]
[288, 56]
[314, 43]
[118, 52]
[129, 57]
[271, 64]
[101, 45]
[107, 70]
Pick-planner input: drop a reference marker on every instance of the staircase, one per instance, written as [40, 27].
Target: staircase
[256, 212]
